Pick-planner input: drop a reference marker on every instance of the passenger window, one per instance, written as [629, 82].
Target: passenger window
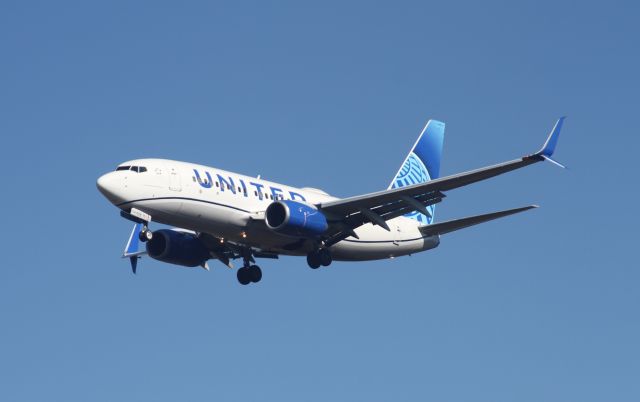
[217, 184]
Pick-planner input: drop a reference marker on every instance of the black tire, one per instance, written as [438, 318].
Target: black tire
[313, 259]
[325, 257]
[256, 273]
[145, 235]
[244, 276]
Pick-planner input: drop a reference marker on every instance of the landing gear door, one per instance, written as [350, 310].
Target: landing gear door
[175, 183]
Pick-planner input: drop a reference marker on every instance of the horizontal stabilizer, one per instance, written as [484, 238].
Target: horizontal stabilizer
[457, 224]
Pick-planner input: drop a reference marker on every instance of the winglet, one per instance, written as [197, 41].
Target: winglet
[131, 249]
[134, 241]
[134, 263]
[549, 146]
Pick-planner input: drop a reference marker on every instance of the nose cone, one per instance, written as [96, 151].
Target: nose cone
[111, 186]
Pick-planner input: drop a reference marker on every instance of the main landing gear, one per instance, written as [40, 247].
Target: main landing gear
[145, 234]
[249, 273]
[321, 257]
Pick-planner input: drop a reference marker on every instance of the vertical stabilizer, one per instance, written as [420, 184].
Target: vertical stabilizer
[422, 164]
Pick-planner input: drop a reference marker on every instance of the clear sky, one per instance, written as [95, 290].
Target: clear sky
[542, 306]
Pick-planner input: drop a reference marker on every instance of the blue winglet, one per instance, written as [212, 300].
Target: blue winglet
[134, 240]
[131, 249]
[549, 146]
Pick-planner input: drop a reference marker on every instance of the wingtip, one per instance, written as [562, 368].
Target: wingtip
[550, 144]
[555, 162]
[134, 264]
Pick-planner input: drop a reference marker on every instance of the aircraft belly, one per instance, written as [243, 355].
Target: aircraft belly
[161, 210]
[214, 219]
[376, 243]
[355, 250]
[198, 216]
[231, 223]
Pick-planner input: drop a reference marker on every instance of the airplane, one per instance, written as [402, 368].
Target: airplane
[224, 216]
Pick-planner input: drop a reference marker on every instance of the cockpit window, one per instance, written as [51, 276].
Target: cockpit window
[139, 169]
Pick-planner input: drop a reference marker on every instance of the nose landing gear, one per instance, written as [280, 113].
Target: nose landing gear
[321, 257]
[145, 234]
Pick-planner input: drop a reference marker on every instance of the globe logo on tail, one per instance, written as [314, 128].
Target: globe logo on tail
[413, 171]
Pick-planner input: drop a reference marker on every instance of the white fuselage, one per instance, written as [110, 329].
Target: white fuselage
[231, 206]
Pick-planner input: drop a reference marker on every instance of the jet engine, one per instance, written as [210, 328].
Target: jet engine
[177, 248]
[294, 218]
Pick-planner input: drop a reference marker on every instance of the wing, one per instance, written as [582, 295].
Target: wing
[219, 249]
[225, 251]
[349, 213]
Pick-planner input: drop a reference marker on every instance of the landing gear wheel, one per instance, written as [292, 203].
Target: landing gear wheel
[145, 235]
[324, 256]
[244, 276]
[255, 273]
[313, 259]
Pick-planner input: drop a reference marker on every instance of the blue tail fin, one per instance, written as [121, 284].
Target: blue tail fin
[422, 164]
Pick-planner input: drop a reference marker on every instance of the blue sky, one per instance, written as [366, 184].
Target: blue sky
[540, 306]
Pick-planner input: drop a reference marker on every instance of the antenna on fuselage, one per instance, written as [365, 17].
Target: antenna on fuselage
[258, 177]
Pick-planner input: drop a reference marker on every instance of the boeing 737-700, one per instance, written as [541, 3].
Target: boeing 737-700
[220, 215]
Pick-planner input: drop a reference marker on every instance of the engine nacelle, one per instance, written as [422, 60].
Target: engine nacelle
[294, 218]
[177, 248]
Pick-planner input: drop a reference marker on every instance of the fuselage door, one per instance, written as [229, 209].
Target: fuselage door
[174, 184]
